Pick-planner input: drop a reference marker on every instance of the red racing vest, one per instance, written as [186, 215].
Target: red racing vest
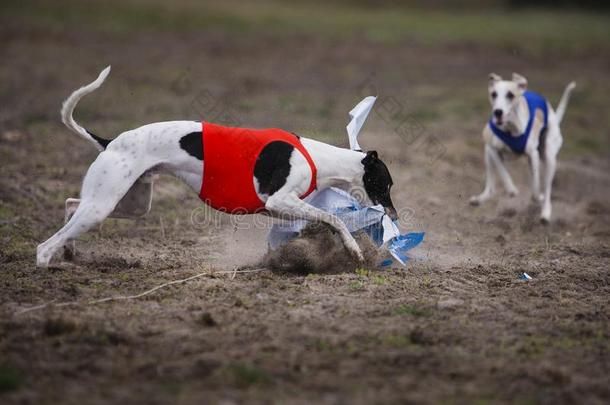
[229, 156]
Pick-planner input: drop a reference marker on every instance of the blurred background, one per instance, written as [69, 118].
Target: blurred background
[300, 63]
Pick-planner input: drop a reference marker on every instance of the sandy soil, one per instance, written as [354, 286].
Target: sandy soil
[456, 326]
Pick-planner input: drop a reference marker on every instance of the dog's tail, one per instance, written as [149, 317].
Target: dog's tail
[563, 103]
[68, 108]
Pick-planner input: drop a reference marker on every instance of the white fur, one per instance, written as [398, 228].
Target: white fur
[514, 118]
[156, 146]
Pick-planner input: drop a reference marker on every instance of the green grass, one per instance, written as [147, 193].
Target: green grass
[245, 375]
[322, 345]
[397, 341]
[583, 144]
[10, 378]
[411, 310]
[527, 30]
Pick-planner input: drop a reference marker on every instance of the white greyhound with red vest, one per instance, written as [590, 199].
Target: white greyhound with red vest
[245, 171]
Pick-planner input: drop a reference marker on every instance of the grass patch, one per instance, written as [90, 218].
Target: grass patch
[11, 378]
[368, 275]
[246, 376]
[537, 345]
[397, 341]
[379, 280]
[426, 282]
[322, 345]
[171, 387]
[16, 246]
[411, 310]
[362, 272]
[582, 145]
[526, 30]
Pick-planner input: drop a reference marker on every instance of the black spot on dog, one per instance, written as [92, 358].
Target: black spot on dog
[193, 144]
[272, 166]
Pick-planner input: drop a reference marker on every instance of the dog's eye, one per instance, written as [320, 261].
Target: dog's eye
[510, 95]
[494, 94]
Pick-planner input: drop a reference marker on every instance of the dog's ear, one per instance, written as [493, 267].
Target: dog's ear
[371, 156]
[520, 80]
[494, 78]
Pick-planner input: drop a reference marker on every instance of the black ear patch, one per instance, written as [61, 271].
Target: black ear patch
[377, 179]
[272, 166]
[370, 158]
[193, 144]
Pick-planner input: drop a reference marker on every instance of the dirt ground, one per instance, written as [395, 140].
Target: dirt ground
[457, 325]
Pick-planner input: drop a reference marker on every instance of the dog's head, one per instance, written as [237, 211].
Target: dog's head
[378, 183]
[504, 96]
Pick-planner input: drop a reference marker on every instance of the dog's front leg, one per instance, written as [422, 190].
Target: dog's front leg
[534, 160]
[490, 180]
[507, 181]
[290, 205]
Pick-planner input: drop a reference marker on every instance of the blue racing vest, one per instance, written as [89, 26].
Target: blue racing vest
[517, 143]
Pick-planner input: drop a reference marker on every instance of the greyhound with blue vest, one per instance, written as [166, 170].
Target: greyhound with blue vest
[246, 171]
[524, 123]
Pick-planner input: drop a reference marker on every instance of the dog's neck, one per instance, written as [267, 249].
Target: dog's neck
[517, 122]
[337, 167]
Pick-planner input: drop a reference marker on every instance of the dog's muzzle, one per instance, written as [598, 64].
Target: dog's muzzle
[391, 212]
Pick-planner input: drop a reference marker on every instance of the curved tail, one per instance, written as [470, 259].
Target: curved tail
[68, 108]
[563, 103]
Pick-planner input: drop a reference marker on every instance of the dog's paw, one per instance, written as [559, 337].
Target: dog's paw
[42, 262]
[545, 216]
[475, 201]
[43, 256]
[513, 193]
[537, 199]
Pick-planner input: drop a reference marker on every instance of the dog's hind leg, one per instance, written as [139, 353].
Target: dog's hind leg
[109, 177]
[70, 246]
[289, 205]
[553, 145]
[550, 165]
[135, 204]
